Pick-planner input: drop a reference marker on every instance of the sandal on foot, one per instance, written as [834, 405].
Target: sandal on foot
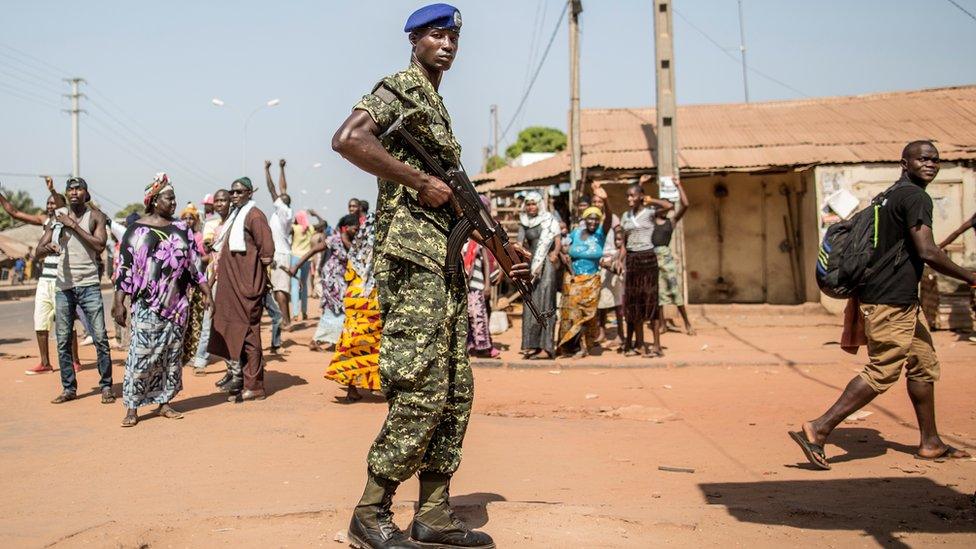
[130, 421]
[107, 396]
[170, 413]
[814, 452]
[949, 453]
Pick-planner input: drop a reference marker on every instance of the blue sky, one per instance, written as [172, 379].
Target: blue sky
[155, 66]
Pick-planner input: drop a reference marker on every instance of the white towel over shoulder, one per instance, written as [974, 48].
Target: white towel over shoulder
[235, 229]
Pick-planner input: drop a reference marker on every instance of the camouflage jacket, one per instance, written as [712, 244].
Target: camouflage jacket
[404, 228]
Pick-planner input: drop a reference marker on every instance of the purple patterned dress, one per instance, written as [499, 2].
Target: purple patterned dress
[156, 267]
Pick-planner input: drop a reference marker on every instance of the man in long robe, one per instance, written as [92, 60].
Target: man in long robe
[247, 249]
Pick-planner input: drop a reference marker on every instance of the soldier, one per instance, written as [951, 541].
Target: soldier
[423, 362]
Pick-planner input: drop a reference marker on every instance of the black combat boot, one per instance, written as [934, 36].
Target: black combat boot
[435, 524]
[372, 524]
[228, 376]
[234, 386]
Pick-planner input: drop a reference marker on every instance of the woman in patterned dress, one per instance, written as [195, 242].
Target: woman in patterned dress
[356, 360]
[158, 262]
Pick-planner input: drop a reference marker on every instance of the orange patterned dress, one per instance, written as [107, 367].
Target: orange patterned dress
[356, 359]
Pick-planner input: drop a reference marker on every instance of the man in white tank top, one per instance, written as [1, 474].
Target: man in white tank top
[81, 243]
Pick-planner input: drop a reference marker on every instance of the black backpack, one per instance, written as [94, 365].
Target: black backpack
[847, 261]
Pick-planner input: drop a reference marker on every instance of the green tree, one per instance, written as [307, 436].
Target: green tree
[23, 202]
[135, 207]
[494, 163]
[537, 139]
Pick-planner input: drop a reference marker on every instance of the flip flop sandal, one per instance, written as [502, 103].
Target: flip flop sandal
[108, 398]
[946, 454]
[130, 421]
[814, 452]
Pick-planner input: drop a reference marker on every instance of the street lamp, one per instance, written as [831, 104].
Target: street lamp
[216, 101]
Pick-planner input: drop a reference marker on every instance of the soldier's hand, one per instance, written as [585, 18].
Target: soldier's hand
[521, 271]
[433, 193]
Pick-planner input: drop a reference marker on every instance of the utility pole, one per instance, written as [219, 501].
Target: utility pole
[575, 147]
[667, 133]
[742, 51]
[494, 130]
[75, 112]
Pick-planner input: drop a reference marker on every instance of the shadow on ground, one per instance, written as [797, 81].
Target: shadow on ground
[882, 508]
[473, 508]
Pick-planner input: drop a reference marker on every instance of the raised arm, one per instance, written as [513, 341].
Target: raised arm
[966, 225]
[659, 203]
[270, 181]
[683, 203]
[282, 183]
[936, 258]
[356, 140]
[30, 219]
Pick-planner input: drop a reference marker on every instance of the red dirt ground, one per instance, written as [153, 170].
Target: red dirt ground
[558, 454]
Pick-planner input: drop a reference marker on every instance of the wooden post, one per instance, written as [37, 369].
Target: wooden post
[667, 134]
[575, 147]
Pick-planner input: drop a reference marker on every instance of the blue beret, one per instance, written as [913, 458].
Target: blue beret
[442, 16]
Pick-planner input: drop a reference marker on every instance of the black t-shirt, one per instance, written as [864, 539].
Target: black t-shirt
[662, 233]
[906, 206]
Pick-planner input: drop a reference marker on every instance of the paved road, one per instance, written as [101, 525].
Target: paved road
[17, 318]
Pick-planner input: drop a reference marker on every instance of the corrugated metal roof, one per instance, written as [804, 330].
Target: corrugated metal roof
[756, 136]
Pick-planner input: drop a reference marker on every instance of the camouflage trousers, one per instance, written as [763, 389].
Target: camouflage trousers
[424, 371]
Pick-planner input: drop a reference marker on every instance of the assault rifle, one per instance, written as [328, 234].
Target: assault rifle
[472, 217]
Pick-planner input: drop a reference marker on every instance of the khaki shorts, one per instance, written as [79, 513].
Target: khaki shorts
[897, 338]
[44, 304]
[280, 279]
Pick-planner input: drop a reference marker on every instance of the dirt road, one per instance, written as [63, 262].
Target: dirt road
[557, 455]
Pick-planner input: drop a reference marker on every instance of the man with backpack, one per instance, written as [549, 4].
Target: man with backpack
[896, 336]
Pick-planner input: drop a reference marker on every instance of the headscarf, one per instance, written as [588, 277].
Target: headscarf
[593, 210]
[301, 218]
[190, 209]
[159, 184]
[550, 229]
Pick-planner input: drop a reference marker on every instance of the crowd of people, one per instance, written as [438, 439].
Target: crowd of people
[193, 286]
[605, 264]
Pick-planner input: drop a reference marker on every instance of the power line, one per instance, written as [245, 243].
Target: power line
[801, 93]
[150, 145]
[538, 69]
[32, 175]
[44, 83]
[57, 72]
[5, 88]
[962, 9]
[725, 51]
[175, 153]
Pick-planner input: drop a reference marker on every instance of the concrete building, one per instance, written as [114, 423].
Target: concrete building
[758, 177]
